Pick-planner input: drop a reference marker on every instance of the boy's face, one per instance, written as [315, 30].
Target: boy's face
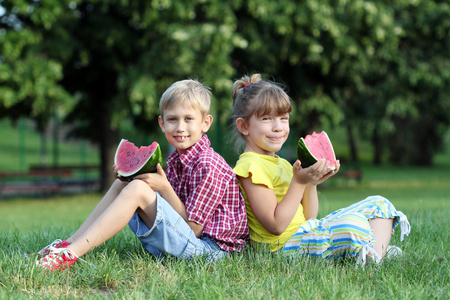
[184, 125]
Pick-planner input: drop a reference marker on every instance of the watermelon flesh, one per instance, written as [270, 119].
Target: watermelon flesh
[313, 147]
[131, 160]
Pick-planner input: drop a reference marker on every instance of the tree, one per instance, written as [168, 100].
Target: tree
[320, 50]
[118, 56]
[29, 79]
[420, 112]
[378, 65]
[361, 64]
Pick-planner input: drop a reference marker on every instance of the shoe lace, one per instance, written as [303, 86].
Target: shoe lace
[52, 245]
[404, 225]
[67, 253]
[364, 253]
[56, 255]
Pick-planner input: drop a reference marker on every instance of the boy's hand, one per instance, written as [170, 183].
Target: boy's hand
[157, 181]
[124, 179]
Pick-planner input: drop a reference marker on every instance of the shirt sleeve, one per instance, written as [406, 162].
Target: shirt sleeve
[208, 187]
[258, 171]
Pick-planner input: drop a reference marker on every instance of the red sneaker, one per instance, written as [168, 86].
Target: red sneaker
[57, 259]
[58, 243]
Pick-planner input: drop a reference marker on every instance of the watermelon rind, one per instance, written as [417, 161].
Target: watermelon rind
[306, 157]
[148, 167]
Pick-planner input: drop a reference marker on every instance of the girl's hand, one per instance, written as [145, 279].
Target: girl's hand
[315, 174]
[157, 181]
[329, 174]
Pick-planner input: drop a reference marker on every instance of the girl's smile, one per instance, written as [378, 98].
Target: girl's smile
[265, 134]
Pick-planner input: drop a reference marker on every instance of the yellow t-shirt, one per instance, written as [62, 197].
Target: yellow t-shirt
[276, 174]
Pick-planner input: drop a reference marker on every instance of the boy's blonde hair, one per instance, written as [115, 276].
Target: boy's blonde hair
[188, 91]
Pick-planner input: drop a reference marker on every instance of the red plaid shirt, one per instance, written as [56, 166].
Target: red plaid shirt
[209, 189]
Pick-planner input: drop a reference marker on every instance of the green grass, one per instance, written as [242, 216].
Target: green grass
[21, 147]
[122, 269]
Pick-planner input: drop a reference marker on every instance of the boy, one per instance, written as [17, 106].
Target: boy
[197, 209]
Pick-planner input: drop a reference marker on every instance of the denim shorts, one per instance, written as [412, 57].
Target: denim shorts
[170, 234]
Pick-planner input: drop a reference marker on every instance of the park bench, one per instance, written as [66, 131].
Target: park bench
[351, 173]
[64, 168]
[48, 180]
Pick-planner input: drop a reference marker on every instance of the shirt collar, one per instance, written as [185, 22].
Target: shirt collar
[192, 152]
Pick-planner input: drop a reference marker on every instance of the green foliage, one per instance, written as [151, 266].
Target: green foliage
[29, 82]
[422, 67]
[117, 57]
[379, 65]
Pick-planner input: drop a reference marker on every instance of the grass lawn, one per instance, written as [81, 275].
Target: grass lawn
[25, 147]
[122, 269]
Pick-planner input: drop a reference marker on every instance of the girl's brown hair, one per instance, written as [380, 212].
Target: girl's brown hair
[254, 96]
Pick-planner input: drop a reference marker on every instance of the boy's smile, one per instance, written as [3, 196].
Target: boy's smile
[184, 125]
[180, 138]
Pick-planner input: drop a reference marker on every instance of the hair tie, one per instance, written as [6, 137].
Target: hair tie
[247, 84]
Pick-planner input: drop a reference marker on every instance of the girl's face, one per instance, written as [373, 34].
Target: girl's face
[266, 134]
[184, 125]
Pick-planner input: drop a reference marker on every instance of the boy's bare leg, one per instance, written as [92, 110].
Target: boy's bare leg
[136, 197]
[382, 231]
[109, 197]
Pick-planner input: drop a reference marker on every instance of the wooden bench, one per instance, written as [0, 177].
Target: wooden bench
[64, 168]
[48, 180]
[39, 174]
[350, 173]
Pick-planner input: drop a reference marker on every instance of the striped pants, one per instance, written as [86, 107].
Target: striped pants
[345, 232]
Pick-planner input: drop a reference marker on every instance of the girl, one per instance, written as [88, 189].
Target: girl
[281, 199]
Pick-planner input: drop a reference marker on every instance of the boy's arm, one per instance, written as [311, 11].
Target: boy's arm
[172, 198]
[158, 182]
[209, 185]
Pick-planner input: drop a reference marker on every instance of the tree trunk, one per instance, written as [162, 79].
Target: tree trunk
[424, 141]
[414, 142]
[354, 157]
[377, 146]
[108, 144]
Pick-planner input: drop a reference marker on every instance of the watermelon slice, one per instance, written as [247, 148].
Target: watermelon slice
[131, 160]
[314, 147]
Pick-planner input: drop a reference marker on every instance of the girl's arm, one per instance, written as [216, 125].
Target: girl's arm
[310, 201]
[275, 217]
